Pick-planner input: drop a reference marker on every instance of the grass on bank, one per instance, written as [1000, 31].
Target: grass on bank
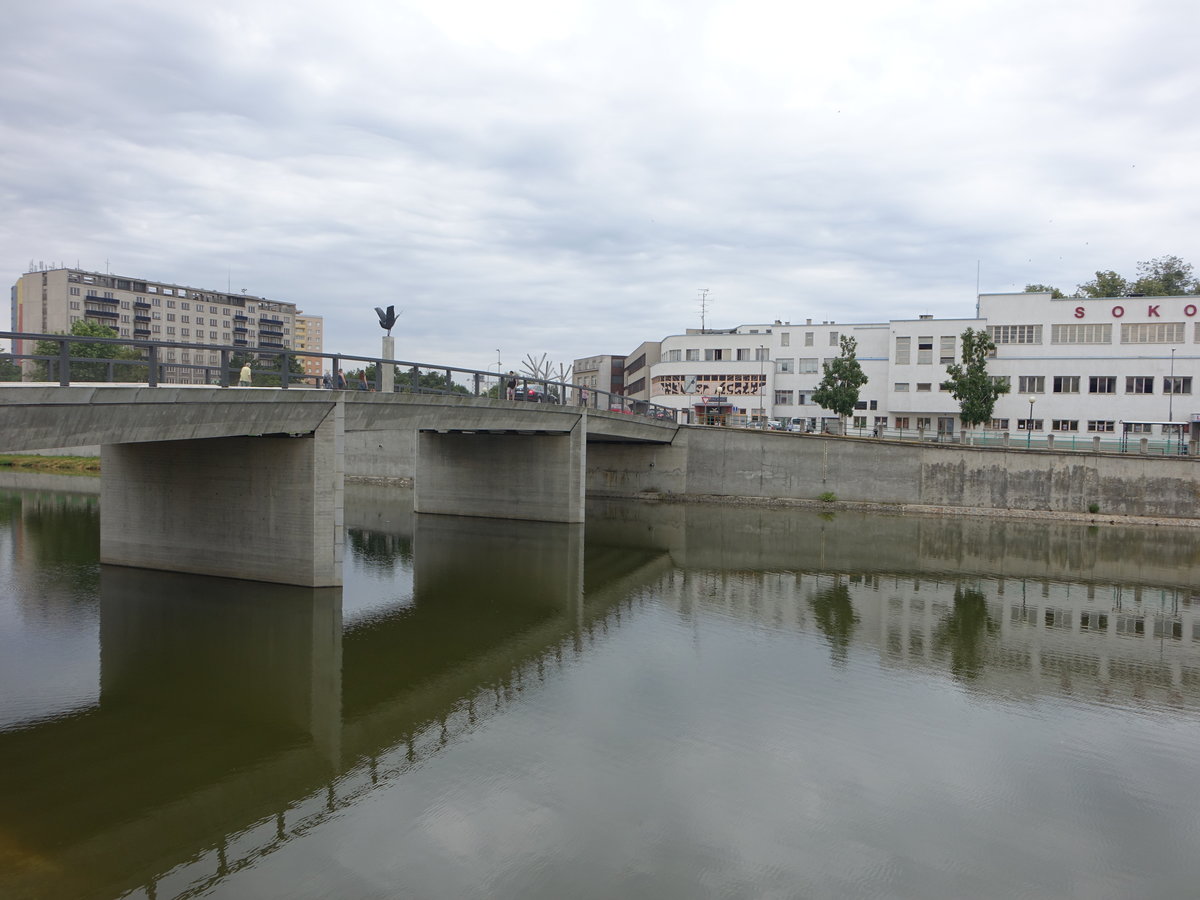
[59, 465]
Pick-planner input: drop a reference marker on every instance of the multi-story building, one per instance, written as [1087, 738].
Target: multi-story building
[310, 336]
[600, 373]
[1075, 366]
[52, 300]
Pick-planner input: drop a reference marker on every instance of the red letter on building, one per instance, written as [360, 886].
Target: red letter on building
[1079, 312]
[1152, 311]
[1189, 310]
[1118, 311]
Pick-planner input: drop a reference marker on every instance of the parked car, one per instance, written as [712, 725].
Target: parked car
[534, 393]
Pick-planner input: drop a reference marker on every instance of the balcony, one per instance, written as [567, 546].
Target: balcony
[96, 298]
[241, 342]
[141, 304]
[275, 345]
[103, 313]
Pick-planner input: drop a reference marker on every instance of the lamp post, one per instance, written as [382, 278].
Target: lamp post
[1171, 389]
[762, 383]
[1029, 424]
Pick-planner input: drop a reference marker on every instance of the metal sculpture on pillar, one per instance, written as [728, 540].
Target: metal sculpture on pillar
[387, 373]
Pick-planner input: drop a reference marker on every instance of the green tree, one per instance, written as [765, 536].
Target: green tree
[1165, 276]
[841, 381]
[1105, 284]
[265, 368]
[969, 382]
[9, 370]
[92, 371]
[1054, 292]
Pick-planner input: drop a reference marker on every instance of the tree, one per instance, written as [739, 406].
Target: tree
[266, 368]
[965, 632]
[835, 616]
[1055, 293]
[92, 371]
[840, 384]
[1165, 276]
[970, 384]
[9, 370]
[1105, 284]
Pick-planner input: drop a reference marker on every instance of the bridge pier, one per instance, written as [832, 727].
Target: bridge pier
[533, 476]
[265, 508]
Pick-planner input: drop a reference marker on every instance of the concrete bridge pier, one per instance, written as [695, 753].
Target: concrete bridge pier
[538, 476]
[265, 508]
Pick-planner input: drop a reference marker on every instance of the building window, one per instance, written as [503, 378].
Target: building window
[1029, 424]
[74, 304]
[860, 422]
[808, 366]
[833, 339]
[1153, 333]
[808, 339]
[924, 386]
[999, 425]
[784, 398]
[903, 351]
[672, 356]
[925, 422]
[185, 332]
[1177, 384]
[713, 355]
[1015, 334]
[946, 354]
[1066, 384]
[902, 421]
[900, 387]
[1081, 334]
[74, 292]
[1064, 424]
[762, 354]
[693, 355]
[743, 353]
[925, 351]
[1139, 427]
[1001, 380]
[786, 365]
[1102, 384]
[1031, 384]
[1139, 384]
[1100, 425]
[785, 339]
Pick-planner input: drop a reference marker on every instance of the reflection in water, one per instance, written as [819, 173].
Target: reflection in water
[963, 631]
[673, 700]
[834, 614]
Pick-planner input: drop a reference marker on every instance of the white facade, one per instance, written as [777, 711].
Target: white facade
[1089, 366]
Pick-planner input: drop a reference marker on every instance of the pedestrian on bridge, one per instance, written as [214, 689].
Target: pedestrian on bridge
[244, 376]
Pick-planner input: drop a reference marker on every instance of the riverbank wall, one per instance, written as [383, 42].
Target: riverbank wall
[729, 463]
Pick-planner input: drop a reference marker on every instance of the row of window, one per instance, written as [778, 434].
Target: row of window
[1090, 333]
[1094, 426]
[1099, 384]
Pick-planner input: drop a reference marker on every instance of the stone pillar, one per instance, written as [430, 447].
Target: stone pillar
[387, 371]
[266, 508]
[539, 477]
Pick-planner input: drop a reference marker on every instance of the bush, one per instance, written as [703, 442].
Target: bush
[827, 497]
[1093, 508]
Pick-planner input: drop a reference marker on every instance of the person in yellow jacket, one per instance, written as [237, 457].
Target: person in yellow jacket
[244, 377]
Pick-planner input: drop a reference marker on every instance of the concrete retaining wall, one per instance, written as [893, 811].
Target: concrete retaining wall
[732, 463]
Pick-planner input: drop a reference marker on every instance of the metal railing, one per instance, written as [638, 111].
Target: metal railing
[154, 363]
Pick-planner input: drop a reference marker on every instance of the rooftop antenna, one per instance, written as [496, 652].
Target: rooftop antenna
[703, 306]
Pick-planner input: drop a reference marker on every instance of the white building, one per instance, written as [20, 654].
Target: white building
[1081, 366]
[50, 301]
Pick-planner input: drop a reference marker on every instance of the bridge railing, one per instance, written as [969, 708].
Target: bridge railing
[69, 359]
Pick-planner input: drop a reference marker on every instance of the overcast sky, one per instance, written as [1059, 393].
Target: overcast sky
[563, 176]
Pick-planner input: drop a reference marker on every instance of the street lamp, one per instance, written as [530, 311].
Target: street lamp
[1029, 424]
[1171, 389]
[762, 384]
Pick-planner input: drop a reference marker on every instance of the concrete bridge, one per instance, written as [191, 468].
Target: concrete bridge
[248, 483]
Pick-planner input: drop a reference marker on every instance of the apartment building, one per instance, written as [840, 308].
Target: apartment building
[600, 373]
[52, 300]
[310, 336]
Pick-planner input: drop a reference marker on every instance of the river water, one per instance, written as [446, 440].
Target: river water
[669, 702]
